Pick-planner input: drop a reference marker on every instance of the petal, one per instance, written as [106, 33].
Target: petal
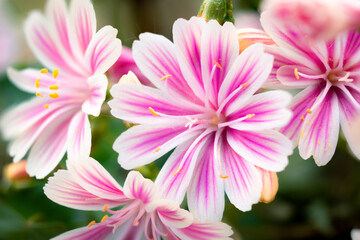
[250, 36]
[349, 119]
[79, 137]
[170, 180]
[205, 231]
[205, 193]
[65, 190]
[156, 57]
[84, 22]
[103, 50]
[172, 215]
[269, 109]
[93, 177]
[247, 75]
[299, 105]
[219, 49]
[267, 149]
[49, 52]
[98, 86]
[187, 40]
[132, 103]
[143, 144]
[49, 148]
[137, 187]
[320, 131]
[243, 185]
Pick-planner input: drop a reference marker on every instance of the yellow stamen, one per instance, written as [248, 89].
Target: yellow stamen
[309, 111]
[104, 218]
[224, 176]
[177, 171]
[250, 115]
[91, 223]
[302, 118]
[156, 150]
[136, 224]
[218, 64]
[46, 106]
[153, 111]
[165, 77]
[37, 83]
[296, 73]
[244, 84]
[318, 142]
[44, 70]
[55, 73]
[329, 144]
[105, 207]
[53, 87]
[39, 95]
[54, 95]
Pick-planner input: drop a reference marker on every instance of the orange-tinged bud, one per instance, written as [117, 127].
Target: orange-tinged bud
[249, 36]
[15, 172]
[270, 185]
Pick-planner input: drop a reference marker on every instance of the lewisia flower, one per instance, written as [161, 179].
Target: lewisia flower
[328, 71]
[56, 120]
[204, 105]
[145, 214]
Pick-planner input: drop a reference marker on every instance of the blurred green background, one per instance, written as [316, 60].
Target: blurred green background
[312, 202]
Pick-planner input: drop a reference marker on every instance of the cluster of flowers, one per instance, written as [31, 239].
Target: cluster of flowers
[200, 95]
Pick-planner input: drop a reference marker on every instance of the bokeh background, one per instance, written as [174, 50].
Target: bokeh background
[312, 202]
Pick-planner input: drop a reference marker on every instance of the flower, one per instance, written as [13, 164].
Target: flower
[204, 105]
[123, 65]
[332, 16]
[355, 234]
[56, 120]
[328, 72]
[86, 185]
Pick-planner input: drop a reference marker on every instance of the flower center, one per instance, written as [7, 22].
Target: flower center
[52, 87]
[335, 76]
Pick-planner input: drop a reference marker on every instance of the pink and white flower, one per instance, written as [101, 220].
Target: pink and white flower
[145, 214]
[329, 72]
[204, 106]
[56, 121]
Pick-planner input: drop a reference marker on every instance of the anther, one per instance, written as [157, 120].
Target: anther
[104, 218]
[302, 118]
[218, 64]
[177, 171]
[46, 106]
[105, 207]
[244, 84]
[37, 83]
[156, 150]
[91, 223]
[136, 223]
[53, 87]
[55, 73]
[153, 111]
[43, 70]
[39, 94]
[54, 95]
[296, 73]
[165, 77]
[309, 111]
[250, 115]
[224, 176]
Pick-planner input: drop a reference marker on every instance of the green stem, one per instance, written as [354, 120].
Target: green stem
[220, 10]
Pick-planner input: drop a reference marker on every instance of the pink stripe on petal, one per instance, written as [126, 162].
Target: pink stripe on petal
[243, 186]
[95, 179]
[321, 131]
[287, 76]
[205, 193]
[267, 149]
[172, 215]
[205, 231]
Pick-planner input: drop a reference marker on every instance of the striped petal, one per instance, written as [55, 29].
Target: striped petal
[172, 215]
[97, 85]
[205, 231]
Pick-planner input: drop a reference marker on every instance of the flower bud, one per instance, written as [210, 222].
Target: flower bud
[270, 185]
[16, 172]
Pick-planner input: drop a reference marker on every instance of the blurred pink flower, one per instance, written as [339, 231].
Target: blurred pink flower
[123, 65]
[145, 214]
[247, 19]
[319, 19]
[329, 72]
[204, 105]
[57, 120]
